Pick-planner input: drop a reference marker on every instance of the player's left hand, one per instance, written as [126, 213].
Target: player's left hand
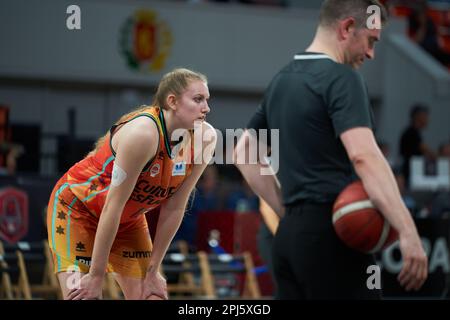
[154, 285]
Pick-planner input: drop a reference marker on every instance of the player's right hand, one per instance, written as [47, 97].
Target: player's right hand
[90, 288]
[415, 263]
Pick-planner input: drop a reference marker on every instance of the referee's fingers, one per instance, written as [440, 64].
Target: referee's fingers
[404, 273]
[411, 281]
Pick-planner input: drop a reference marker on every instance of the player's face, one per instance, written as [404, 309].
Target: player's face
[361, 45]
[193, 104]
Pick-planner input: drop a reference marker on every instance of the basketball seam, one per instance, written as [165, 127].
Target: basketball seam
[364, 204]
[383, 237]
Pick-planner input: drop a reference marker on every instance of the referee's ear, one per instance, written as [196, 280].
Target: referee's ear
[346, 28]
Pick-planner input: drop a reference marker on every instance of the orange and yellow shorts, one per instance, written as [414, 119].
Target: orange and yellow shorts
[71, 233]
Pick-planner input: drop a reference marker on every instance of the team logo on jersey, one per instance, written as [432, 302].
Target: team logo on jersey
[154, 170]
[81, 247]
[13, 214]
[84, 260]
[145, 41]
[179, 169]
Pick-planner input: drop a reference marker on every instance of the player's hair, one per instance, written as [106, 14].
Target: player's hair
[333, 11]
[174, 82]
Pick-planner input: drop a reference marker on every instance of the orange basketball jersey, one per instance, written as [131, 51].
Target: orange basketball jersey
[89, 179]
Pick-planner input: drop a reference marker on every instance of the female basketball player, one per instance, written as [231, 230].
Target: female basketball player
[96, 214]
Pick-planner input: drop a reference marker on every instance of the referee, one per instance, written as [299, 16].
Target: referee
[321, 107]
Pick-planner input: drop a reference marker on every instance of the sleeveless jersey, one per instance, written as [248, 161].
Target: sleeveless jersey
[90, 179]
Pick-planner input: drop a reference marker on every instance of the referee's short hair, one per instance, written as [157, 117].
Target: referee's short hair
[333, 11]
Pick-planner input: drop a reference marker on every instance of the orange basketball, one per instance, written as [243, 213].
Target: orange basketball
[358, 223]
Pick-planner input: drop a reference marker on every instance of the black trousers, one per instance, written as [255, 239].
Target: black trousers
[311, 262]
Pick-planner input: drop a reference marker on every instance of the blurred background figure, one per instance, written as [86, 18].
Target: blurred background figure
[11, 152]
[440, 205]
[205, 198]
[411, 141]
[423, 30]
[444, 150]
[207, 193]
[242, 198]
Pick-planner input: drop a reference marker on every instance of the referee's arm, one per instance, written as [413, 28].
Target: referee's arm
[380, 184]
[265, 185]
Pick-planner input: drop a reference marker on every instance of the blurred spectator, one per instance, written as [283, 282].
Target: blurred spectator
[444, 150]
[423, 30]
[440, 205]
[207, 194]
[242, 199]
[12, 152]
[205, 198]
[411, 142]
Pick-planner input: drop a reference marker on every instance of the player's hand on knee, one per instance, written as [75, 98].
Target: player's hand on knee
[155, 286]
[415, 263]
[89, 288]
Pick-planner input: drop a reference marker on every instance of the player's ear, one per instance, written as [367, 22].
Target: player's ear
[171, 101]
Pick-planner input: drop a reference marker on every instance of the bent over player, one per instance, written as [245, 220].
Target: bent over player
[96, 214]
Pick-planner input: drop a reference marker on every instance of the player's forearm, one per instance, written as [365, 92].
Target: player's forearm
[104, 238]
[380, 184]
[168, 223]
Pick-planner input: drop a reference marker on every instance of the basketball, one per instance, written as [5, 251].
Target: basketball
[358, 223]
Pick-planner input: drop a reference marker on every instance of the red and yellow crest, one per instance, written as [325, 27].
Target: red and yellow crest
[145, 41]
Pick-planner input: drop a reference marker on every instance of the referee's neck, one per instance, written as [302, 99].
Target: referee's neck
[325, 41]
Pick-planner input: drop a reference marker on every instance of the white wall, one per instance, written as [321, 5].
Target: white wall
[239, 47]
[98, 109]
[230, 44]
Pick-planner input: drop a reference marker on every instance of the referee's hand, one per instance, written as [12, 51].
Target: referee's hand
[415, 263]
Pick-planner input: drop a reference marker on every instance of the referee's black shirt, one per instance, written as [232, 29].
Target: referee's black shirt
[312, 101]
